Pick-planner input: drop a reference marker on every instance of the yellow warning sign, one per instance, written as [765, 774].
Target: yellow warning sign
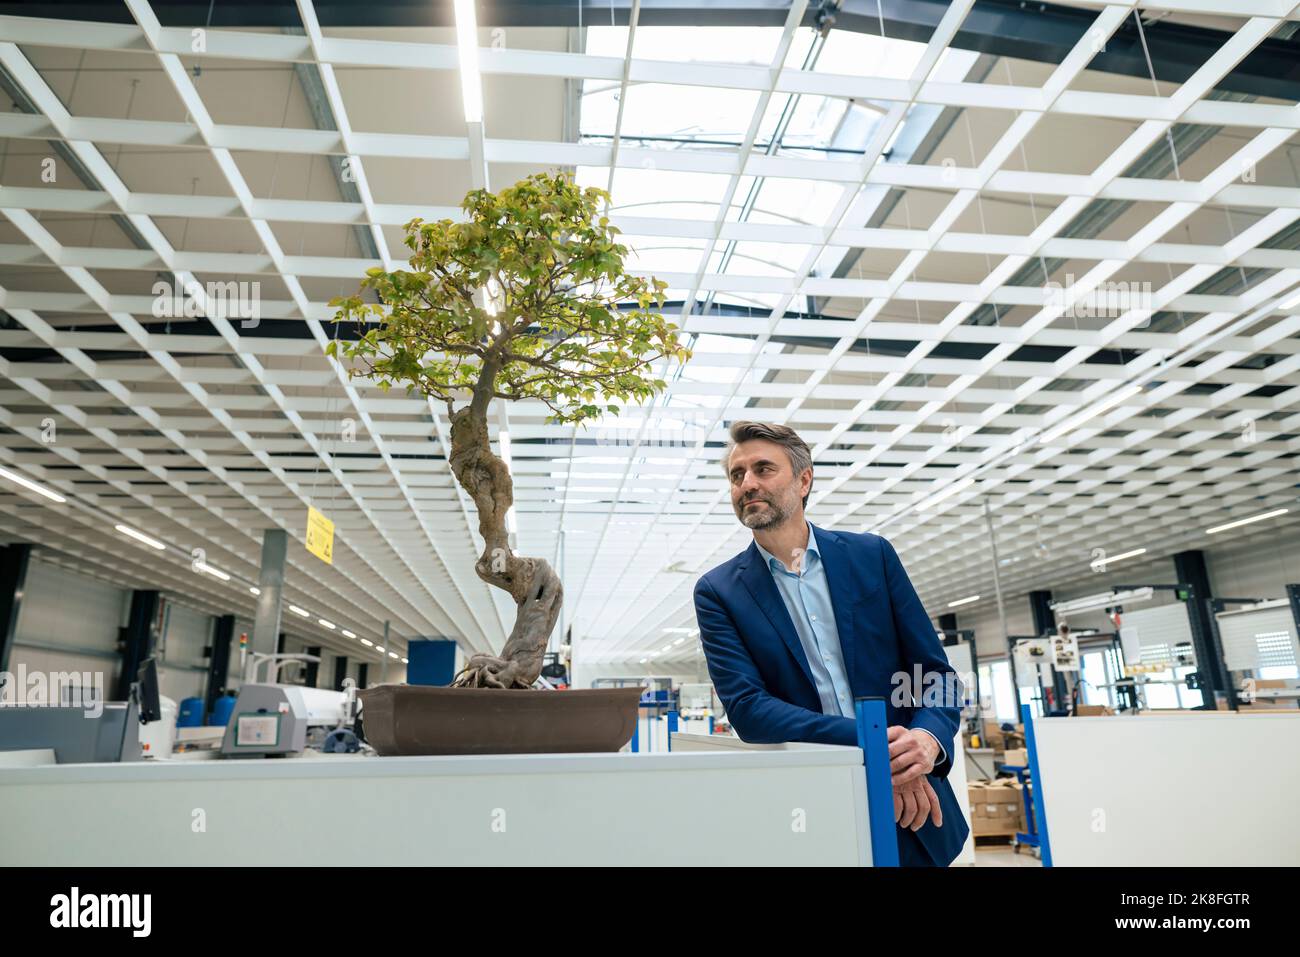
[320, 536]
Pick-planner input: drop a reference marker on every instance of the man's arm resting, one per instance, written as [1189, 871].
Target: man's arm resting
[943, 753]
[755, 714]
[920, 646]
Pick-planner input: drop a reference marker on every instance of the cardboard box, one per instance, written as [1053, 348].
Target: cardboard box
[1016, 757]
[995, 807]
[1092, 710]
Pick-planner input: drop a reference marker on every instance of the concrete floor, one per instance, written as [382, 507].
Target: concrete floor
[1004, 856]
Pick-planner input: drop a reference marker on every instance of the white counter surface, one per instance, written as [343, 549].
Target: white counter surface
[791, 804]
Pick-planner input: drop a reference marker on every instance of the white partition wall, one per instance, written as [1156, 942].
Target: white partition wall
[1212, 788]
[1157, 636]
[957, 778]
[1260, 639]
[792, 805]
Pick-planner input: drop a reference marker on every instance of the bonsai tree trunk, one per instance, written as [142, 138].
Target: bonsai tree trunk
[531, 582]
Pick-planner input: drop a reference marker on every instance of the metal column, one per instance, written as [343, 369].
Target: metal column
[1040, 607]
[1045, 624]
[313, 667]
[218, 661]
[997, 582]
[138, 639]
[13, 581]
[1189, 568]
[266, 626]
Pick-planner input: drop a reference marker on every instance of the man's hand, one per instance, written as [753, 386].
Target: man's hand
[914, 802]
[911, 754]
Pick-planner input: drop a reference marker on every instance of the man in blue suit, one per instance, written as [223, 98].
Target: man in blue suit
[805, 620]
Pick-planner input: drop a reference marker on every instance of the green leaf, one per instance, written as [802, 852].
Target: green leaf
[547, 243]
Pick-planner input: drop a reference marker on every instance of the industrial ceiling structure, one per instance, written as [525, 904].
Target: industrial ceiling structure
[1027, 268]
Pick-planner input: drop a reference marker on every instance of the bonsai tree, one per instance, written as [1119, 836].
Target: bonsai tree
[525, 299]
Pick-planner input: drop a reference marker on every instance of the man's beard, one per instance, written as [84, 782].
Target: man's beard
[770, 517]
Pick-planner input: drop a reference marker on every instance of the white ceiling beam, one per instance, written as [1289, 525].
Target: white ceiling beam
[352, 52]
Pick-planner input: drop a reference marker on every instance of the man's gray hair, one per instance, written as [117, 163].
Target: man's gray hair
[796, 449]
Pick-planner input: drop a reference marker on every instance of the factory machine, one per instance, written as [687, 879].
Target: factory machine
[272, 719]
[90, 731]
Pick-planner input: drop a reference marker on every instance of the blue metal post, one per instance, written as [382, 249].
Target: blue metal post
[672, 728]
[1040, 815]
[636, 731]
[873, 739]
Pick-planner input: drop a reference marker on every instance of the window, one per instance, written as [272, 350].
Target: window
[1280, 671]
[1161, 695]
[1031, 697]
[1004, 695]
[1276, 655]
[1187, 697]
[986, 689]
[1095, 678]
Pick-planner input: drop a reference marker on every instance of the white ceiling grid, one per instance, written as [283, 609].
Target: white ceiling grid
[205, 440]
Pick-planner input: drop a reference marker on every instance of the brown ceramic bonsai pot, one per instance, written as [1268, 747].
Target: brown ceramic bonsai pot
[417, 719]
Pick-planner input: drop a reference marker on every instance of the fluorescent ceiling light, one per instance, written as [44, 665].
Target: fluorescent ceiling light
[1292, 302]
[1246, 521]
[680, 631]
[32, 486]
[348, 634]
[254, 589]
[1073, 422]
[379, 648]
[406, 661]
[367, 642]
[945, 493]
[209, 570]
[299, 611]
[328, 624]
[963, 601]
[1103, 600]
[1103, 562]
[393, 654]
[679, 641]
[141, 537]
[471, 86]
[643, 661]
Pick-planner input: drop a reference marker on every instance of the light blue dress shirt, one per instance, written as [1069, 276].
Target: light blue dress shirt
[807, 597]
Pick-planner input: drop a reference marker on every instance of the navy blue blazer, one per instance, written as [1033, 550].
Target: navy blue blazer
[761, 674]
